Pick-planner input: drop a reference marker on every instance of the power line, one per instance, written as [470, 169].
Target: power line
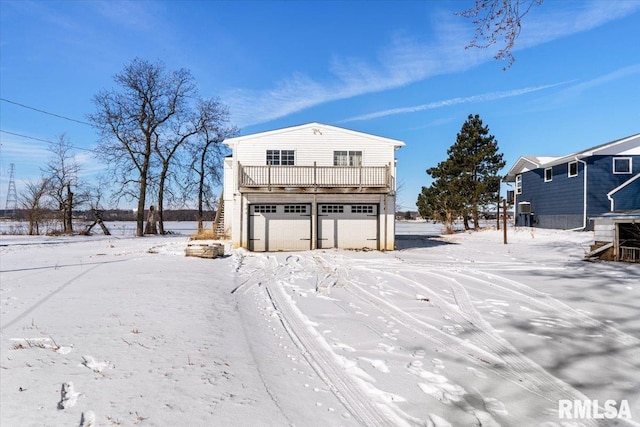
[44, 140]
[46, 112]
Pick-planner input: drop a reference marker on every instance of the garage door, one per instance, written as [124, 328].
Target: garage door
[347, 226]
[279, 227]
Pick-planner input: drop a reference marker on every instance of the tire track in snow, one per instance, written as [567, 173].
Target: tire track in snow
[510, 364]
[537, 378]
[321, 359]
[547, 302]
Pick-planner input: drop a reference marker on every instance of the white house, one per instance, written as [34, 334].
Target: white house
[312, 186]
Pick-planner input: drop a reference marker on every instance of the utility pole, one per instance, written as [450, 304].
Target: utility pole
[504, 220]
[11, 206]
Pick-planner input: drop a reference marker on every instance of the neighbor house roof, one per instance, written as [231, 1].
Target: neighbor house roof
[629, 145]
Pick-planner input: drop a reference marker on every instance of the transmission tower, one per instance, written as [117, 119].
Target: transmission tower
[12, 196]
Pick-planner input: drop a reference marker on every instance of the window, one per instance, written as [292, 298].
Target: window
[340, 158]
[548, 174]
[365, 209]
[264, 209]
[301, 209]
[355, 158]
[281, 157]
[331, 209]
[622, 165]
[347, 158]
[573, 169]
[518, 184]
[287, 157]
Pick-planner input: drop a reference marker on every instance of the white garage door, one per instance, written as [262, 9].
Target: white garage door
[347, 226]
[279, 227]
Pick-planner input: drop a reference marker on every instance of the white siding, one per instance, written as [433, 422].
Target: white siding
[316, 147]
[313, 143]
[227, 193]
[604, 231]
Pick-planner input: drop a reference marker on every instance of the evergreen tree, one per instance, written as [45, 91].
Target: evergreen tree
[467, 179]
[475, 160]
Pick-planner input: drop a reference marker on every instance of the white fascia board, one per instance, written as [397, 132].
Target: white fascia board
[625, 146]
[313, 126]
[523, 164]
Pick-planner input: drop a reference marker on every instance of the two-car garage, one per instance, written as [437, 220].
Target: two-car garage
[290, 227]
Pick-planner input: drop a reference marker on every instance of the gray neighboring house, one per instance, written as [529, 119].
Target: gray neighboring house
[566, 192]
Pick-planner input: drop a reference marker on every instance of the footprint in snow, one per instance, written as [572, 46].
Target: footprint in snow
[68, 396]
[477, 373]
[494, 406]
[377, 363]
[88, 419]
[91, 363]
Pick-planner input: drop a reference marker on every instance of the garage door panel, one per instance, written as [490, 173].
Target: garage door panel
[279, 227]
[348, 226]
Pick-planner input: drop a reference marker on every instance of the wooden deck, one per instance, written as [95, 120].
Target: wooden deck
[260, 178]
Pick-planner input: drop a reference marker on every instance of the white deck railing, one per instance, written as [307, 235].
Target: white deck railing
[314, 176]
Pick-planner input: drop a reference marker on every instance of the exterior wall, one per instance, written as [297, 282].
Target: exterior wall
[554, 204]
[559, 203]
[601, 180]
[314, 144]
[627, 198]
[228, 193]
[604, 230]
[386, 213]
[318, 147]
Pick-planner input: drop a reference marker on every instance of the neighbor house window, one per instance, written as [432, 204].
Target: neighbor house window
[622, 165]
[548, 174]
[518, 184]
[573, 169]
[347, 158]
[281, 157]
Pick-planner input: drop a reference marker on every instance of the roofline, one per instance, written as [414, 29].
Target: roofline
[564, 159]
[589, 151]
[233, 141]
[510, 177]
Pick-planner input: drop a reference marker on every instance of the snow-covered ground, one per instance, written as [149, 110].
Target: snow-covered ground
[456, 330]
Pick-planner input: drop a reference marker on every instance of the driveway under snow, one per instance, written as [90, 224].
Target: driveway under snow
[446, 331]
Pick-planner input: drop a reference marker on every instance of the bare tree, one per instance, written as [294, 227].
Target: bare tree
[166, 149]
[62, 173]
[34, 201]
[132, 119]
[207, 153]
[498, 21]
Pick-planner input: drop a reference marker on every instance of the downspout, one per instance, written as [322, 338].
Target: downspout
[611, 201]
[584, 196]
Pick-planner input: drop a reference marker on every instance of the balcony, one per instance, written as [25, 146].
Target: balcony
[315, 178]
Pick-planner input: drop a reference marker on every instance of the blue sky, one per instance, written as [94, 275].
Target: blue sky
[396, 69]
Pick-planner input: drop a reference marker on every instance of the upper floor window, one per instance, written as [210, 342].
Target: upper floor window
[622, 165]
[518, 184]
[281, 157]
[347, 158]
[548, 174]
[573, 169]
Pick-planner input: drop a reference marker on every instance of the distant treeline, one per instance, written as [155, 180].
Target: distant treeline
[113, 215]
